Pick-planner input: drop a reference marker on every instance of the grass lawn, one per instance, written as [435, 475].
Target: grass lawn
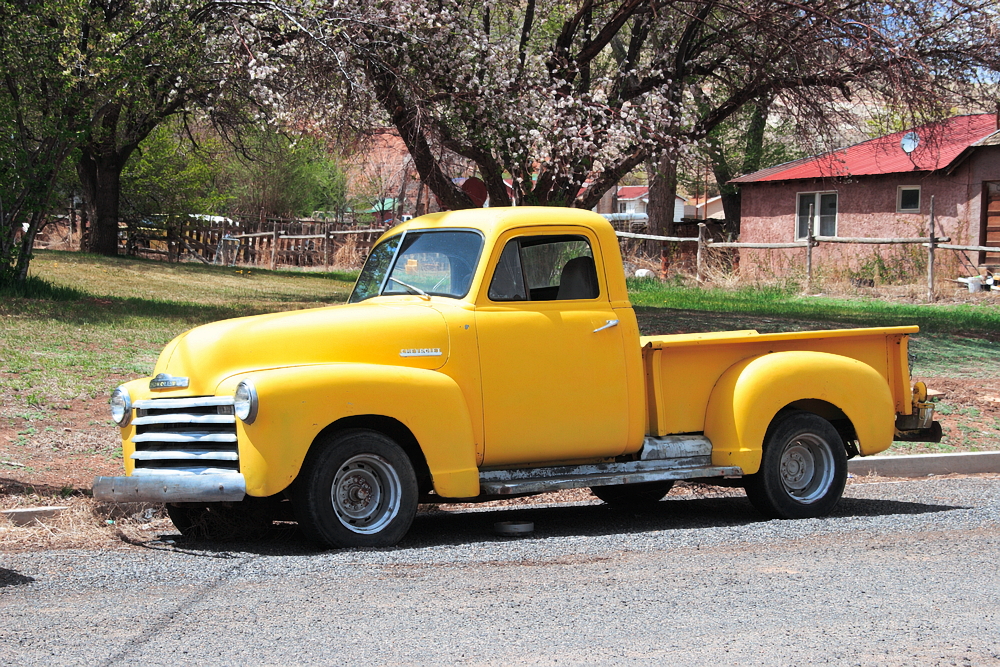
[59, 359]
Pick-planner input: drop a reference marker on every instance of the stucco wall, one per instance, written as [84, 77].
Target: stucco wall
[867, 208]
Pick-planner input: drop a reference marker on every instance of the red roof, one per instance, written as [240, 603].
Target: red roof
[940, 144]
[632, 191]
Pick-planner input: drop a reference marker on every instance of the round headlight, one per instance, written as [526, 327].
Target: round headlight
[121, 406]
[245, 401]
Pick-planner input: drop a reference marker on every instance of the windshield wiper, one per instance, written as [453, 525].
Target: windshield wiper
[412, 289]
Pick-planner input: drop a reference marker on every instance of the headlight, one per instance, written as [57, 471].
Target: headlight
[245, 401]
[121, 406]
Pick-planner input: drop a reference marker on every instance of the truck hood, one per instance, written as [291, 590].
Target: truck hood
[401, 334]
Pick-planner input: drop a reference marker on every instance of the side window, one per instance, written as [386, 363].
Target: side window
[545, 268]
[508, 280]
[824, 214]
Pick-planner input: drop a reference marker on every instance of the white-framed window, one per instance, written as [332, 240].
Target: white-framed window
[908, 199]
[823, 206]
[622, 207]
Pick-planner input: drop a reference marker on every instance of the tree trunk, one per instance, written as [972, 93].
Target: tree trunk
[662, 194]
[406, 119]
[754, 152]
[100, 177]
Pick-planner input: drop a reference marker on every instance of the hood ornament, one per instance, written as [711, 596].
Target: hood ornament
[168, 381]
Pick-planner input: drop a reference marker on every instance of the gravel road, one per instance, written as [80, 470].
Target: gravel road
[905, 573]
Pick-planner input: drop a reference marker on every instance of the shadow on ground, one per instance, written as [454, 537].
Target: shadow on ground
[439, 528]
[13, 578]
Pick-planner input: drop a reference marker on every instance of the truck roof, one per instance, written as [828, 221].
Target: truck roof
[496, 220]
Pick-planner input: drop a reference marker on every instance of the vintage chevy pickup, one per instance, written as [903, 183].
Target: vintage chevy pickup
[494, 352]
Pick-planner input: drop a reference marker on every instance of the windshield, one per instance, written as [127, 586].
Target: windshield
[438, 263]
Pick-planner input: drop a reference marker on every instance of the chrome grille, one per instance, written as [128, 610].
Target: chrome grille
[185, 435]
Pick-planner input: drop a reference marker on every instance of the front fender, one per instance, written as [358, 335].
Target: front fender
[750, 393]
[297, 403]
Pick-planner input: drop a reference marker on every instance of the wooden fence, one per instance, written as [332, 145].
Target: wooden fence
[932, 242]
[269, 243]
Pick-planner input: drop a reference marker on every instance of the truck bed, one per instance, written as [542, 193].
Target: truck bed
[682, 369]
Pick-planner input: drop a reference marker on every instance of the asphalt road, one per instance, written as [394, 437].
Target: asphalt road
[905, 573]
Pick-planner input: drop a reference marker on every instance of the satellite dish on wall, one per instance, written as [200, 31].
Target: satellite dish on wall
[909, 142]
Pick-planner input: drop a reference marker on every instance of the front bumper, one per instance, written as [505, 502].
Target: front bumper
[172, 488]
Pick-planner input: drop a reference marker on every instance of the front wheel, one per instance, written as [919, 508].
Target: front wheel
[358, 490]
[803, 469]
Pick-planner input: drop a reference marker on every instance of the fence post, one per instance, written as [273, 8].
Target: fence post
[326, 246]
[699, 258]
[274, 243]
[809, 251]
[930, 255]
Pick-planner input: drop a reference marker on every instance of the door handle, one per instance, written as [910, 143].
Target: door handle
[610, 323]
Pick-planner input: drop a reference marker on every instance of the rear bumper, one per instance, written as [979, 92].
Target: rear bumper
[172, 488]
[930, 434]
[918, 426]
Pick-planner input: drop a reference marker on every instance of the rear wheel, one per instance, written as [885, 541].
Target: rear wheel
[803, 469]
[633, 495]
[358, 490]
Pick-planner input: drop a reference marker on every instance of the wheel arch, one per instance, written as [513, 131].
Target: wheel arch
[389, 427]
[850, 394]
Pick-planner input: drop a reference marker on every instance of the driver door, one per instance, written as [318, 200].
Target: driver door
[552, 359]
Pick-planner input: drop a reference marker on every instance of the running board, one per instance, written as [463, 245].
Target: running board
[541, 480]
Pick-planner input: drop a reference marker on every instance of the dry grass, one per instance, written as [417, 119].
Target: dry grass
[349, 256]
[85, 524]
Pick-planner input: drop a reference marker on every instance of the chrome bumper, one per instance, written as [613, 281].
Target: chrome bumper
[172, 488]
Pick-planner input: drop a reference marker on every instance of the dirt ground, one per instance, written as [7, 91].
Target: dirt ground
[969, 412]
[62, 449]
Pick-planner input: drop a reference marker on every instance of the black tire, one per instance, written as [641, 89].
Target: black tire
[633, 495]
[803, 469]
[249, 518]
[356, 489]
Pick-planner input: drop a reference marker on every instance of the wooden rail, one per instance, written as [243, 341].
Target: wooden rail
[931, 242]
[249, 241]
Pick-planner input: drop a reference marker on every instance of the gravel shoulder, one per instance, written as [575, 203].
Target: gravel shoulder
[903, 573]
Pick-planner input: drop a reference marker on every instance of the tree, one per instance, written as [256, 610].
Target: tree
[275, 175]
[741, 145]
[169, 174]
[565, 97]
[137, 65]
[39, 125]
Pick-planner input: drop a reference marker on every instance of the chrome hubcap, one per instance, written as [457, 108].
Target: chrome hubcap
[807, 467]
[366, 493]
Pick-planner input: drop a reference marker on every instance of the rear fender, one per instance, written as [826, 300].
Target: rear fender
[749, 394]
[297, 403]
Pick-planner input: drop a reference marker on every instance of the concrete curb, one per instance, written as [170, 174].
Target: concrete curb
[28, 516]
[922, 465]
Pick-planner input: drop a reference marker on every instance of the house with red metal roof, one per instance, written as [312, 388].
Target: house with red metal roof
[881, 188]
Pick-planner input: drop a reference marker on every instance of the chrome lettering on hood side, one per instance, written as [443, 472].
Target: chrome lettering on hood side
[421, 352]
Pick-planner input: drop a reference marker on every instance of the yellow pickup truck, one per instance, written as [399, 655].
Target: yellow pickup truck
[489, 353]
